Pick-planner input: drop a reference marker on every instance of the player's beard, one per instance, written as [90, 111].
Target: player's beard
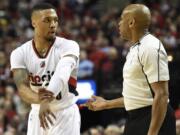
[50, 39]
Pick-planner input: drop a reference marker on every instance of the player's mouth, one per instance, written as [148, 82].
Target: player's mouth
[52, 32]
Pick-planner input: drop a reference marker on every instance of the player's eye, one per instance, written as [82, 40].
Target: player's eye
[47, 20]
[56, 20]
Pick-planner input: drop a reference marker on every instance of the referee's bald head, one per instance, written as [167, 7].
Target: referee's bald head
[140, 13]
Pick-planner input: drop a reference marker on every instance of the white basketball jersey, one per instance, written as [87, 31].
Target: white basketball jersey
[41, 69]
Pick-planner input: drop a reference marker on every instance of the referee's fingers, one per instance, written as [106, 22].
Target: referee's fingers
[87, 104]
[95, 97]
[84, 105]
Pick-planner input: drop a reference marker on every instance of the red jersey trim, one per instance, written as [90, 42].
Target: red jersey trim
[72, 81]
[37, 53]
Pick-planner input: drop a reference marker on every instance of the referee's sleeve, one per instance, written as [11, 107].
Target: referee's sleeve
[155, 64]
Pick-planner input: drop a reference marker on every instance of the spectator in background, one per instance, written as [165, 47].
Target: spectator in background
[113, 130]
[86, 66]
[4, 71]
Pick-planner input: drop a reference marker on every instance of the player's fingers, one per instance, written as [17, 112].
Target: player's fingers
[42, 97]
[45, 115]
[52, 114]
[49, 119]
[45, 93]
[41, 120]
[41, 124]
[42, 90]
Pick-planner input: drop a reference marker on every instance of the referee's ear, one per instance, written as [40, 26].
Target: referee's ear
[131, 23]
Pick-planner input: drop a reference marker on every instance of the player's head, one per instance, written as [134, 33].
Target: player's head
[135, 17]
[44, 20]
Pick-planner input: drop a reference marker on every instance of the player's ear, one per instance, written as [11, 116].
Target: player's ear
[33, 24]
[33, 18]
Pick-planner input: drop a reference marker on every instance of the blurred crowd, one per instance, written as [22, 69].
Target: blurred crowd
[109, 130]
[102, 52]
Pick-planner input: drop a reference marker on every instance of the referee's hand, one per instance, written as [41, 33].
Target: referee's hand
[96, 103]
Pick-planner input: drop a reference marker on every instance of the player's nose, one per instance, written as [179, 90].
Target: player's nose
[52, 24]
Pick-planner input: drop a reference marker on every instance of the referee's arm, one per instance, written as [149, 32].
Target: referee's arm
[97, 103]
[159, 106]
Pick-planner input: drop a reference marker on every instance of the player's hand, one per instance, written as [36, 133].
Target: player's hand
[96, 103]
[45, 94]
[45, 114]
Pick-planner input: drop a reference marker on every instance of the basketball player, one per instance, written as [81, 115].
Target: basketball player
[146, 75]
[45, 73]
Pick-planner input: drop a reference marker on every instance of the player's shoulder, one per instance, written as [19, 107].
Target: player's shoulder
[66, 43]
[23, 48]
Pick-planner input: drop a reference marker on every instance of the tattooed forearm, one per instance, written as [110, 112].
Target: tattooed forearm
[22, 82]
[20, 77]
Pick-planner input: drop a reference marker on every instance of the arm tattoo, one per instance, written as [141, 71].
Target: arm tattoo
[20, 76]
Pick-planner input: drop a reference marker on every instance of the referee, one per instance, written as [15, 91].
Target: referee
[146, 75]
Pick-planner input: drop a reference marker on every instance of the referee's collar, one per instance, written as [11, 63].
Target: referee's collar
[139, 41]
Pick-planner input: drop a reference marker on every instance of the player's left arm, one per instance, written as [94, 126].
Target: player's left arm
[62, 73]
[57, 83]
[159, 106]
[64, 68]
[59, 80]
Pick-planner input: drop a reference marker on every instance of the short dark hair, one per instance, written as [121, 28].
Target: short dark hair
[42, 6]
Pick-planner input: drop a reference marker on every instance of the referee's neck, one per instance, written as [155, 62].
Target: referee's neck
[137, 35]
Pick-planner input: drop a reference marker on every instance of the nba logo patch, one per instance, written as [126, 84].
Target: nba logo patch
[42, 64]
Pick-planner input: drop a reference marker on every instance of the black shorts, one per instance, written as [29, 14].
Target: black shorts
[139, 120]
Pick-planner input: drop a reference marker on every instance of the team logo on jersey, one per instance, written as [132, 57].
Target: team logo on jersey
[42, 64]
[37, 80]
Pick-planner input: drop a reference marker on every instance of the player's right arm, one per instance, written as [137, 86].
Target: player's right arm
[97, 103]
[21, 80]
[20, 77]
